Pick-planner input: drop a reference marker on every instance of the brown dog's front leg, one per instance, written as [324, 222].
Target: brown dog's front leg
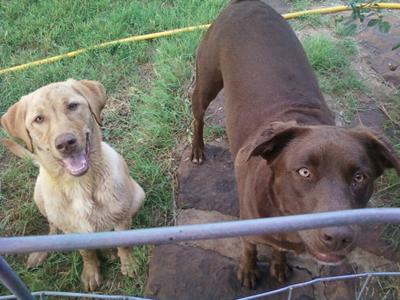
[248, 272]
[90, 277]
[279, 269]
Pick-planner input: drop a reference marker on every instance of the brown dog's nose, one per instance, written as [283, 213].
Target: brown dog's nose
[336, 238]
[66, 143]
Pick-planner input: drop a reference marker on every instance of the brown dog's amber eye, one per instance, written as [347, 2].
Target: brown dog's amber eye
[39, 119]
[304, 172]
[72, 106]
[358, 178]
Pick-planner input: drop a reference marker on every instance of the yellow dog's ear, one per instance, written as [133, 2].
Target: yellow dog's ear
[17, 149]
[13, 122]
[94, 93]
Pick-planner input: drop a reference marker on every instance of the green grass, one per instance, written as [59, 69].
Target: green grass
[143, 119]
[331, 60]
[328, 55]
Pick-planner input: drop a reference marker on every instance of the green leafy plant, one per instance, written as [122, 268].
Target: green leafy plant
[383, 26]
[360, 11]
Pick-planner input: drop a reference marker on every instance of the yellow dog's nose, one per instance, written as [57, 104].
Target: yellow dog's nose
[66, 143]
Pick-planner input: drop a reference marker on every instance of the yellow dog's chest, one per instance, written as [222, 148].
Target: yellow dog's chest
[78, 211]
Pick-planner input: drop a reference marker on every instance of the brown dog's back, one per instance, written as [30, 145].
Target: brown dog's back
[263, 68]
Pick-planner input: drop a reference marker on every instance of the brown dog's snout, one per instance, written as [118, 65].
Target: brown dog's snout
[66, 143]
[336, 238]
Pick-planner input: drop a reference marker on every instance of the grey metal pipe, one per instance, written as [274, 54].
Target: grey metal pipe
[165, 235]
[76, 295]
[12, 282]
[322, 279]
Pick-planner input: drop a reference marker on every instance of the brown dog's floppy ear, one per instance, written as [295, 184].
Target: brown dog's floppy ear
[94, 93]
[272, 141]
[13, 122]
[380, 151]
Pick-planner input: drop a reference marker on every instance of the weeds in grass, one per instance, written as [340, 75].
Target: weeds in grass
[331, 60]
[327, 55]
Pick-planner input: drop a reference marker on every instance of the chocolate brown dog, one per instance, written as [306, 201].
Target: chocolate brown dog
[289, 156]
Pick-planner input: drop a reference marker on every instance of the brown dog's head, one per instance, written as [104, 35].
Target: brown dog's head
[323, 168]
[57, 122]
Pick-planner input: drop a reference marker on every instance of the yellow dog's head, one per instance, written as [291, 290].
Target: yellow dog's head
[57, 123]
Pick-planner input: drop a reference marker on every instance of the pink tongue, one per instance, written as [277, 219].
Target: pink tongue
[76, 164]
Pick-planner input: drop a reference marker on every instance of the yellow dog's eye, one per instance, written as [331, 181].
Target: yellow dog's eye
[39, 119]
[72, 106]
[304, 172]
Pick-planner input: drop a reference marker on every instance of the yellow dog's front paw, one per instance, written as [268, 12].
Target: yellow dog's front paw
[128, 266]
[91, 278]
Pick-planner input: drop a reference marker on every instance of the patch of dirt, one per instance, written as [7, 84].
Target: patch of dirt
[279, 5]
[220, 191]
[119, 104]
[146, 72]
[3, 164]
[215, 115]
[378, 49]
[182, 272]
[308, 32]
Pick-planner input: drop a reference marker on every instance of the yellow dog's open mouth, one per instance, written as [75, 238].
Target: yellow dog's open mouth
[77, 164]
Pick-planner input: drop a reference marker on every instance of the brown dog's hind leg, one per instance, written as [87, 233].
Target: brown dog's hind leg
[208, 84]
[90, 276]
[248, 272]
[279, 269]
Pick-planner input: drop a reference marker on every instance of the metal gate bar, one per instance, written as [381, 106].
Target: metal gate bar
[164, 235]
[12, 282]
[289, 288]
[44, 294]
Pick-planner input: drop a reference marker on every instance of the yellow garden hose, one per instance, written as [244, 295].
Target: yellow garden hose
[187, 29]
[335, 9]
